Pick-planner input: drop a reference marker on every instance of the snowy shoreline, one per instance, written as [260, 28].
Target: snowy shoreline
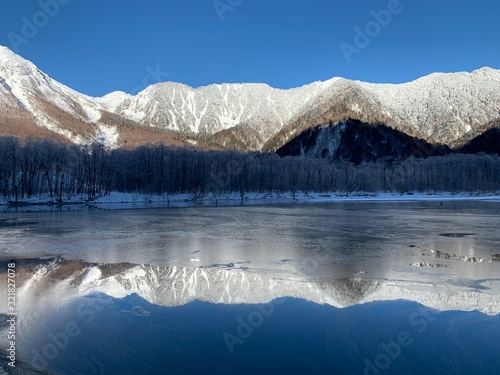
[141, 201]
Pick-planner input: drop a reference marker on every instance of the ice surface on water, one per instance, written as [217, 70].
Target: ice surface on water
[299, 248]
[373, 240]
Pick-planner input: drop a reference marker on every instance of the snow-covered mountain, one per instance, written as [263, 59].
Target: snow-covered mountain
[57, 280]
[440, 108]
[215, 108]
[31, 94]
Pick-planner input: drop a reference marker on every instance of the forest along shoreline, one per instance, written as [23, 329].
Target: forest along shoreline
[37, 172]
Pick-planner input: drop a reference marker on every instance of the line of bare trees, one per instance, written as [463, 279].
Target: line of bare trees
[35, 167]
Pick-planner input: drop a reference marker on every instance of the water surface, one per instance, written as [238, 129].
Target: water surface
[347, 288]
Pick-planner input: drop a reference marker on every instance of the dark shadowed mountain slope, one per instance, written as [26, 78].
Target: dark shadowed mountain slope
[359, 142]
[488, 142]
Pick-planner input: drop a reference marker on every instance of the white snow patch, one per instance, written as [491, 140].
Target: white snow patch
[108, 136]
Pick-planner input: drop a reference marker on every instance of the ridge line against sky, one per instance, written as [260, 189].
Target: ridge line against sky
[158, 75]
[97, 48]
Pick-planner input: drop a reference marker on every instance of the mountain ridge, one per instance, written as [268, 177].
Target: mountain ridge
[448, 108]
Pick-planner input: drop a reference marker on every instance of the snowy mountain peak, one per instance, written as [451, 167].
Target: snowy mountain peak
[488, 73]
[12, 64]
[7, 54]
[34, 97]
[112, 100]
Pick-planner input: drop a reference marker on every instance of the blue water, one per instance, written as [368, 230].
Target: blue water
[286, 336]
[103, 335]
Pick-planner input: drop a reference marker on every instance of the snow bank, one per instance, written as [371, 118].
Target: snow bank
[117, 200]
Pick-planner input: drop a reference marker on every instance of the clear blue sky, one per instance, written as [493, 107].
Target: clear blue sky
[101, 46]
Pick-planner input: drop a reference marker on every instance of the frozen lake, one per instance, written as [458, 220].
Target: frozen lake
[184, 279]
[310, 241]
